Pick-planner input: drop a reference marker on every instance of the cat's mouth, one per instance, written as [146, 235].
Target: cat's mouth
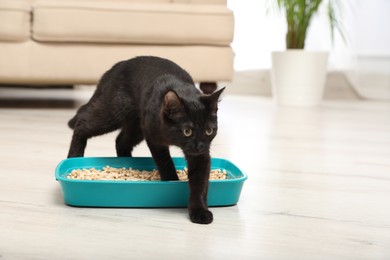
[196, 149]
[195, 153]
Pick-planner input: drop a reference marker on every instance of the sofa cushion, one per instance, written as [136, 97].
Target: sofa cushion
[14, 20]
[130, 22]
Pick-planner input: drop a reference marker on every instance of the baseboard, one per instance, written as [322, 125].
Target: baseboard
[339, 84]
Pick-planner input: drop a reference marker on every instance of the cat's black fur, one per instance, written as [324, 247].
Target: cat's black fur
[154, 99]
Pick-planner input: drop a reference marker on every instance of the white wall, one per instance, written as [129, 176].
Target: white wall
[371, 27]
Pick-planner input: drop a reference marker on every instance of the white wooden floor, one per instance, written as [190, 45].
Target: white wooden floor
[318, 188]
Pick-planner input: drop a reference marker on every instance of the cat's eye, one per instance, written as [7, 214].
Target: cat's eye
[187, 132]
[209, 131]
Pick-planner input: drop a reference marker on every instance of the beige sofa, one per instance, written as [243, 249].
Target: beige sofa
[59, 42]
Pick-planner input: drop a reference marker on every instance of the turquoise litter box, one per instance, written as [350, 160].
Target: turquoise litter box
[143, 194]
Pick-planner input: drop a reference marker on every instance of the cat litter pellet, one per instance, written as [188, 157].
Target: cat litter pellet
[123, 174]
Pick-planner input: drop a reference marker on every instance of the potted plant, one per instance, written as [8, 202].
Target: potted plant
[298, 76]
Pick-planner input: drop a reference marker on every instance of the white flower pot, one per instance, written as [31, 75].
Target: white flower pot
[298, 77]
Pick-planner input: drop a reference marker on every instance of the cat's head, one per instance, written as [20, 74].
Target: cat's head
[190, 122]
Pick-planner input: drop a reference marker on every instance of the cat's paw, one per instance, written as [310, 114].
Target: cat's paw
[201, 216]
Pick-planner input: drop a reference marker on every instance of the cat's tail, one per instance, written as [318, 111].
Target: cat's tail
[72, 122]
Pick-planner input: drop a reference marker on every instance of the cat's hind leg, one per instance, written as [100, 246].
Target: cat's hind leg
[130, 135]
[89, 122]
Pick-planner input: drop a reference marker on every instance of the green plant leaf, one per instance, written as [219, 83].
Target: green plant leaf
[299, 14]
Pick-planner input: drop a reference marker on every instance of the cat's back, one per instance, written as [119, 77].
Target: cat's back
[146, 69]
[137, 77]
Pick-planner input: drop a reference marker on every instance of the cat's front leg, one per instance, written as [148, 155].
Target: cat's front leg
[198, 178]
[163, 160]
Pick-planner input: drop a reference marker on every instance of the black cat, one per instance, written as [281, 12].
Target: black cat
[154, 99]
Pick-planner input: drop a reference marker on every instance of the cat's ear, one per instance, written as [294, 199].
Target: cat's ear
[211, 101]
[208, 87]
[172, 104]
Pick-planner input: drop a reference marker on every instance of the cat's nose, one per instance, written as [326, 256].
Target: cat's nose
[201, 147]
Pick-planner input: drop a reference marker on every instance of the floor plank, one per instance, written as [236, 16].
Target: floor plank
[318, 188]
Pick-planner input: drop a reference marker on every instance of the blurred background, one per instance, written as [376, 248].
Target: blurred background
[363, 57]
